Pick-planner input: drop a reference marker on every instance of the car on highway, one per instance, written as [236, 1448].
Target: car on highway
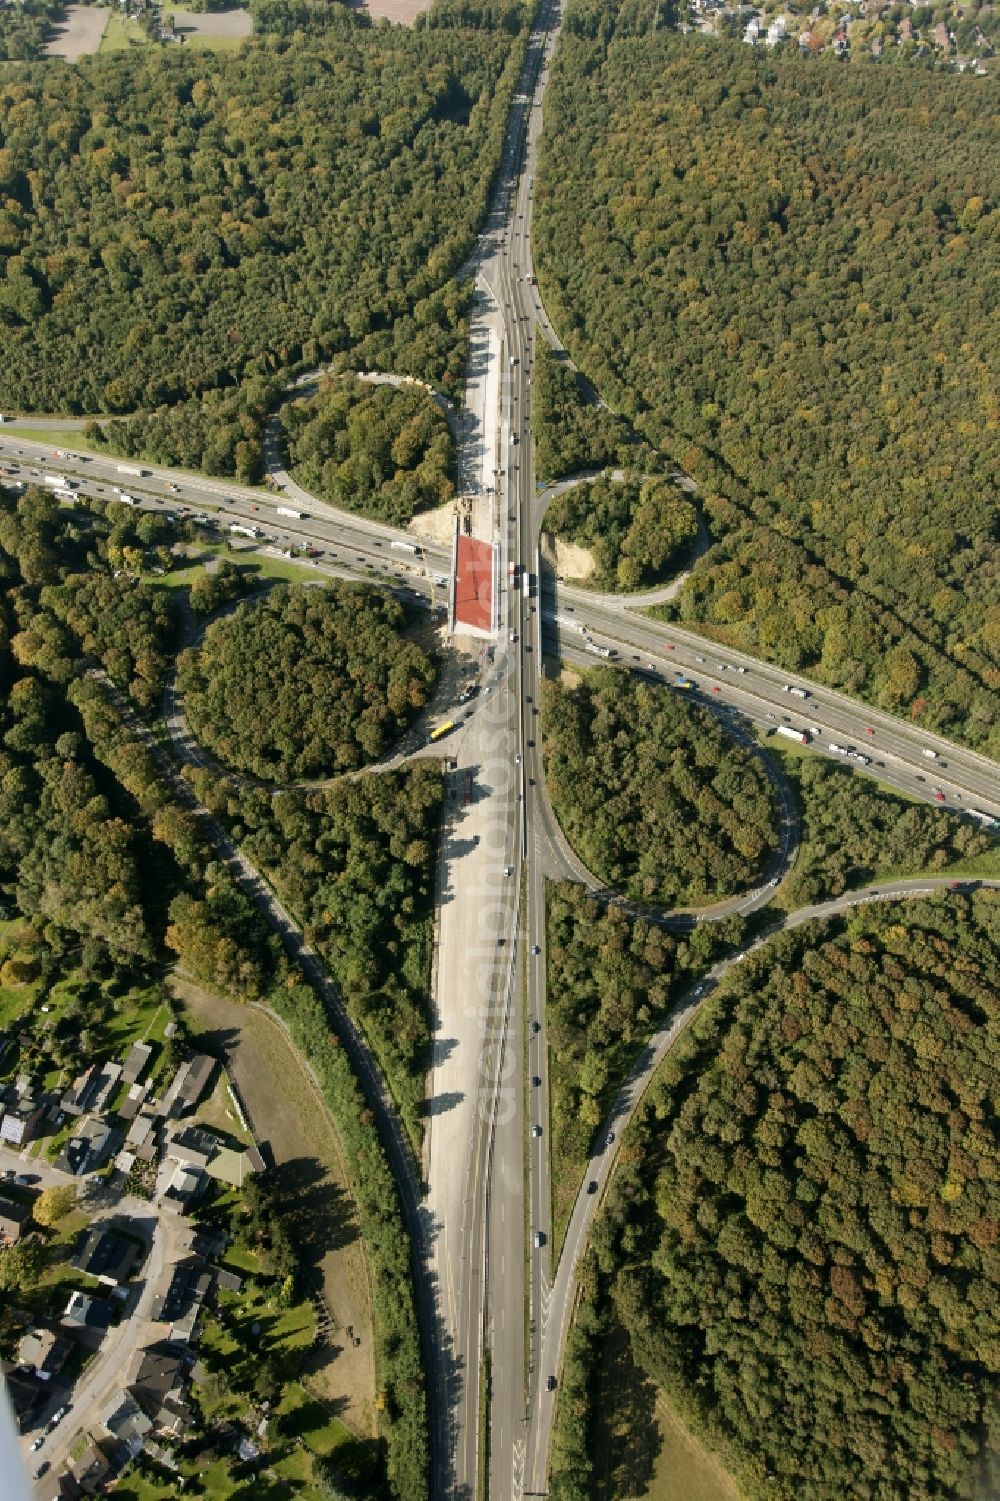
[592, 1186]
[536, 1131]
[938, 795]
[536, 1081]
[550, 1383]
[609, 1140]
[536, 1027]
[536, 948]
[43, 1469]
[539, 1239]
[37, 1443]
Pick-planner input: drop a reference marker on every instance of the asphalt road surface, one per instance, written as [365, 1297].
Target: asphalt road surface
[485, 1277]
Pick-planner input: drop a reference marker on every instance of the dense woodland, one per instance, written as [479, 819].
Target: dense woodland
[305, 682]
[780, 269]
[652, 794]
[853, 830]
[103, 871]
[636, 529]
[383, 451]
[801, 1239]
[355, 863]
[221, 432]
[572, 432]
[609, 980]
[173, 222]
[25, 27]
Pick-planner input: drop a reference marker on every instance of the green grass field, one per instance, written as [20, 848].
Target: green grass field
[258, 565]
[121, 35]
[58, 437]
[640, 1446]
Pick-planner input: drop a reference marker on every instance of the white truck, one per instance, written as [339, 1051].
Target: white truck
[131, 469]
[409, 547]
[244, 531]
[931, 755]
[290, 511]
[127, 500]
[799, 736]
[56, 482]
[795, 692]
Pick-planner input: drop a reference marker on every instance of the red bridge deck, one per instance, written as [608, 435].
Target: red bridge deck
[474, 584]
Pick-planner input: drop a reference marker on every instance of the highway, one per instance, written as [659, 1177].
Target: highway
[483, 1228]
[559, 1306]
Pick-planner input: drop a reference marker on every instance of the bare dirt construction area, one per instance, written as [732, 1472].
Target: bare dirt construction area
[570, 561]
[78, 33]
[437, 525]
[297, 1134]
[404, 12]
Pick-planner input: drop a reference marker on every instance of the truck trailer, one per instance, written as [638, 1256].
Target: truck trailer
[799, 736]
[290, 511]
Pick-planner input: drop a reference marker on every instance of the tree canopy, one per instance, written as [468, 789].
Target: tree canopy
[776, 268]
[651, 792]
[802, 1244]
[381, 450]
[636, 529]
[175, 221]
[305, 682]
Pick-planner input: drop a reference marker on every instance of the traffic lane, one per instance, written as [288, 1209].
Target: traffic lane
[841, 712]
[602, 1160]
[763, 701]
[242, 502]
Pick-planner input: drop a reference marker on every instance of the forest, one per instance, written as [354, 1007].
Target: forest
[801, 1239]
[573, 433]
[25, 27]
[305, 682]
[610, 978]
[355, 863]
[853, 830]
[766, 263]
[652, 794]
[175, 222]
[637, 529]
[380, 450]
[104, 872]
[221, 432]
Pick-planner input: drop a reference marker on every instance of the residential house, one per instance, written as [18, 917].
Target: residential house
[183, 1187]
[126, 1422]
[776, 31]
[187, 1086]
[88, 1148]
[15, 1219]
[44, 1352]
[942, 37]
[91, 1470]
[86, 1314]
[181, 1304]
[906, 30]
[202, 1149]
[109, 1257]
[135, 1063]
[92, 1089]
[20, 1122]
[141, 1135]
[159, 1387]
[752, 33]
